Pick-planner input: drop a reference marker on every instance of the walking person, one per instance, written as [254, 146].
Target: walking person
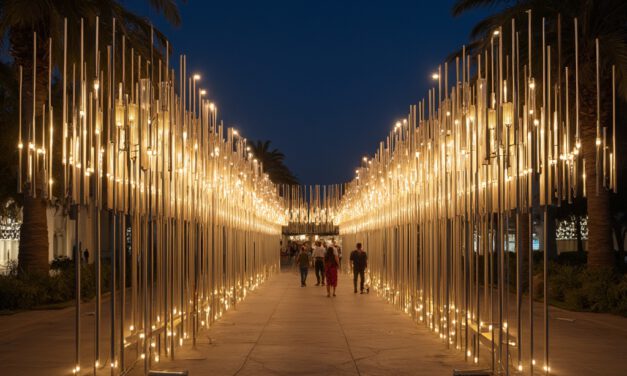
[303, 263]
[359, 263]
[338, 250]
[318, 256]
[331, 263]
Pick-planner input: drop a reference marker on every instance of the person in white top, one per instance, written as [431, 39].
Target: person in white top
[318, 256]
[338, 252]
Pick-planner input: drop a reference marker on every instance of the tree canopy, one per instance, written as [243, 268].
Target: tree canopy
[273, 162]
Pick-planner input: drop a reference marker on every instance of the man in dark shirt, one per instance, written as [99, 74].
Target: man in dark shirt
[359, 263]
[303, 262]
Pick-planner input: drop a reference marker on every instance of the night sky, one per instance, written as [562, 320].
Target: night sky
[323, 80]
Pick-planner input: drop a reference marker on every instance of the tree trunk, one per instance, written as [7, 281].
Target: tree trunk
[33, 253]
[600, 247]
[33, 250]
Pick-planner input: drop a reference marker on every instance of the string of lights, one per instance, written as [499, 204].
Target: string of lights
[462, 174]
[148, 159]
[192, 223]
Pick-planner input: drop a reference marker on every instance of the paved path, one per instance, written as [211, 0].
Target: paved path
[283, 329]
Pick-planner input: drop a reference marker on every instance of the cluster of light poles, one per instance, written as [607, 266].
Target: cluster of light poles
[444, 206]
[311, 209]
[190, 221]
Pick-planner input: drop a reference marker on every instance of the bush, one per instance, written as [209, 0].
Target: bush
[562, 279]
[15, 294]
[579, 288]
[575, 300]
[619, 295]
[59, 286]
[573, 258]
[62, 263]
[596, 285]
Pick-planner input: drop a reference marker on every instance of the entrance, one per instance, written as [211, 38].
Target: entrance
[297, 236]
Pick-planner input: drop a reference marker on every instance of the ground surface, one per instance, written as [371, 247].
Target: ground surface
[282, 329]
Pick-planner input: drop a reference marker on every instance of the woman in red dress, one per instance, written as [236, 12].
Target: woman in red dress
[331, 263]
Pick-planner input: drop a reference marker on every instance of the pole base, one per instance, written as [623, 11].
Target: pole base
[472, 372]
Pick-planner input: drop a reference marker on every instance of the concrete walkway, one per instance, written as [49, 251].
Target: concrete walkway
[41, 342]
[283, 329]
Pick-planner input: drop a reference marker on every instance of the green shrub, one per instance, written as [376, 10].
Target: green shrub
[596, 286]
[575, 300]
[59, 286]
[562, 279]
[582, 289]
[14, 294]
[62, 263]
[619, 295]
[573, 258]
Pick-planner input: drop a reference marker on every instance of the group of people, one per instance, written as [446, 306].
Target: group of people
[327, 262]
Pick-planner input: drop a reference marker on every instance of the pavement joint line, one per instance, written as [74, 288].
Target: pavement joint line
[262, 330]
[350, 351]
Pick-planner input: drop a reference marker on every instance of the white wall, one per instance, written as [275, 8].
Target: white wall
[61, 232]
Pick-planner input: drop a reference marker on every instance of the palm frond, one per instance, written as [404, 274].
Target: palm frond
[273, 162]
[462, 6]
[169, 9]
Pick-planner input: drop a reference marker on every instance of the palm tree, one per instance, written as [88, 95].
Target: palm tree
[602, 19]
[8, 130]
[273, 163]
[18, 20]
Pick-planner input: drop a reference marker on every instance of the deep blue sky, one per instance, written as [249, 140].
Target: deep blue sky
[323, 80]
